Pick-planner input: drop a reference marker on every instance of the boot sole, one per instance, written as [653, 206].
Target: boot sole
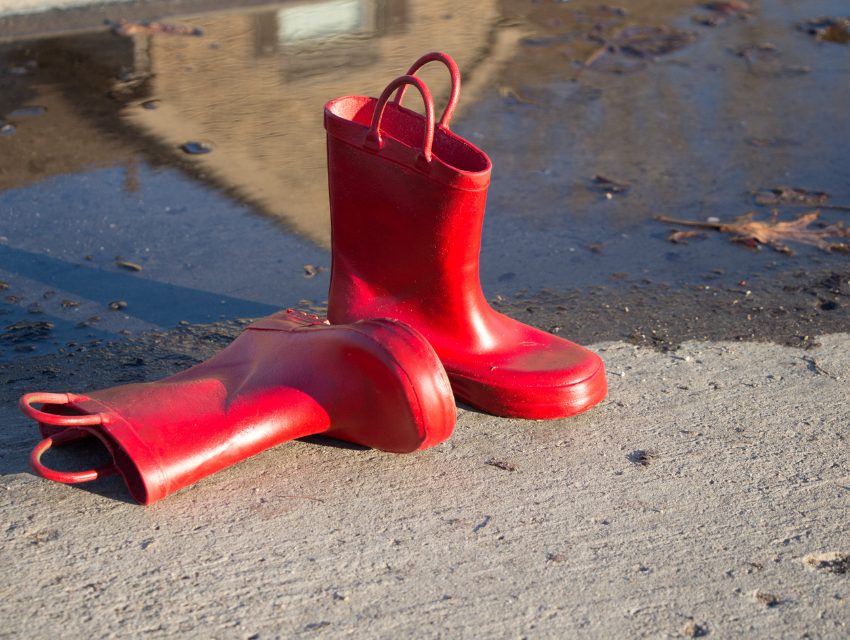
[532, 403]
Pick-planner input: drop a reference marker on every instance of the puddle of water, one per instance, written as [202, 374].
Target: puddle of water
[104, 172]
[693, 131]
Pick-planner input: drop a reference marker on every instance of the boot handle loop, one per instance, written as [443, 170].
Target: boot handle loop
[455, 96]
[51, 418]
[373, 137]
[59, 476]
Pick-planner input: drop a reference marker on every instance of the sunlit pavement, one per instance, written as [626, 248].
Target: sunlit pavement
[707, 495]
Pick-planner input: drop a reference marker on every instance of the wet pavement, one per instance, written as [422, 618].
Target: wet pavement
[750, 104]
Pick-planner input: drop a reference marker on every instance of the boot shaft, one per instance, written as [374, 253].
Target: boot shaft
[402, 229]
[377, 383]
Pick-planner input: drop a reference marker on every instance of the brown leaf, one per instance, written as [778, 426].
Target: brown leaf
[827, 29]
[834, 33]
[708, 20]
[657, 41]
[132, 266]
[788, 195]
[681, 237]
[643, 42]
[774, 233]
[310, 270]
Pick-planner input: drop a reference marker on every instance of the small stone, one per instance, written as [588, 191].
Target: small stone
[767, 599]
[693, 630]
[832, 562]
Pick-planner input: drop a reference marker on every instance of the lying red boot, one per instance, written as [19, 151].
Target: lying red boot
[407, 205]
[377, 383]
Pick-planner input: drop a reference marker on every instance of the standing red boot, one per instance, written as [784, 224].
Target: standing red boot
[407, 205]
[377, 383]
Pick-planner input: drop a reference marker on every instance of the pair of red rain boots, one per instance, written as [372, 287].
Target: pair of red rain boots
[407, 204]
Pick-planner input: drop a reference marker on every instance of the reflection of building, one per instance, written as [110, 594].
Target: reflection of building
[254, 86]
[71, 70]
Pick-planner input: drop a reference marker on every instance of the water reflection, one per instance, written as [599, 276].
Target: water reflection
[104, 170]
[256, 97]
[693, 131]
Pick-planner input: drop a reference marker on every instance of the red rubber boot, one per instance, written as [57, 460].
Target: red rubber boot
[407, 205]
[377, 383]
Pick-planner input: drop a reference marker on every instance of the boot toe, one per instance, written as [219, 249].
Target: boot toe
[542, 377]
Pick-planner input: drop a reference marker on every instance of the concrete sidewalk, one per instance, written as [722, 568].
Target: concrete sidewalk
[708, 495]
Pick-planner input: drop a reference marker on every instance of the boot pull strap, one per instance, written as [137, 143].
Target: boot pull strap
[59, 476]
[373, 137]
[446, 60]
[51, 418]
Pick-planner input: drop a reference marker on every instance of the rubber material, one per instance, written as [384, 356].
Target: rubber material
[455, 73]
[406, 237]
[66, 477]
[377, 383]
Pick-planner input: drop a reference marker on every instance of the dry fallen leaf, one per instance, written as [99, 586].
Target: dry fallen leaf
[681, 237]
[656, 42]
[310, 270]
[789, 195]
[132, 266]
[644, 42]
[834, 33]
[827, 29]
[795, 197]
[773, 233]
